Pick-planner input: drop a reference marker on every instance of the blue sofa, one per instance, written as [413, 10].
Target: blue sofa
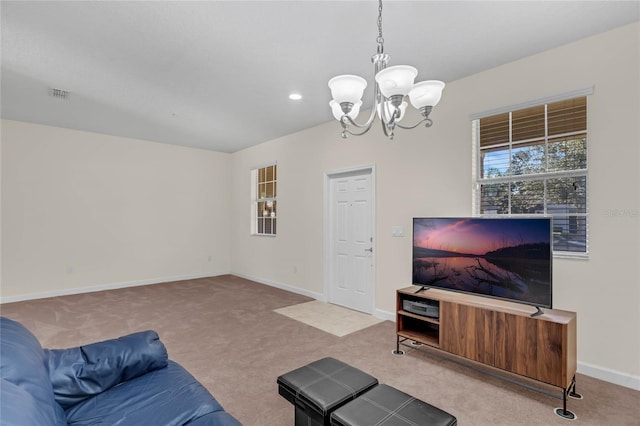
[125, 381]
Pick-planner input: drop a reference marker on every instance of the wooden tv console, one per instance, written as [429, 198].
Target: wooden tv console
[497, 333]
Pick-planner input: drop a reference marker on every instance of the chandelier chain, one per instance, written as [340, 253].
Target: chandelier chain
[380, 40]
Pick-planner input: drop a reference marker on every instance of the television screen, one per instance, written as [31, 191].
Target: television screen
[508, 258]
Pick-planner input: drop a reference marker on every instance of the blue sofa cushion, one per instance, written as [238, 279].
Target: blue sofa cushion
[25, 390]
[82, 372]
[20, 408]
[169, 396]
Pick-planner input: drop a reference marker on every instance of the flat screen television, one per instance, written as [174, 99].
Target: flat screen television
[506, 258]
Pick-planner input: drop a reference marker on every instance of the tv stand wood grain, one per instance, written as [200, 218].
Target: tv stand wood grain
[496, 333]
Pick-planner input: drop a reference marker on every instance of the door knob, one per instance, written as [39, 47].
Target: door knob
[369, 249]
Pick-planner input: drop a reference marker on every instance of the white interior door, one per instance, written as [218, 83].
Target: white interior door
[351, 257]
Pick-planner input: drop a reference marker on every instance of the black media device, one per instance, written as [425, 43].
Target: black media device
[427, 308]
[505, 258]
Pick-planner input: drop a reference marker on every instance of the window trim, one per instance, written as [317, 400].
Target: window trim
[255, 199]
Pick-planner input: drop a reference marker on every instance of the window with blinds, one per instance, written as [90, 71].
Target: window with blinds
[264, 200]
[533, 161]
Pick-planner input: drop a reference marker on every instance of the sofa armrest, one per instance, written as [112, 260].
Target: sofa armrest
[85, 371]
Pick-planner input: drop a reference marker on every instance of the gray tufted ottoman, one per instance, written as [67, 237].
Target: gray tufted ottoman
[320, 387]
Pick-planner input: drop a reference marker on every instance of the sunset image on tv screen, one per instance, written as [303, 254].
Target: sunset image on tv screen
[507, 258]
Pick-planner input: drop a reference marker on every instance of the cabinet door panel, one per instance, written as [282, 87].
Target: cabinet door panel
[529, 347]
[516, 347]
[551, 358]
[467, 331]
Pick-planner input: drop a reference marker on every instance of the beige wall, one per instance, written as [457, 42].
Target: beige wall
[83, 211]
[427, 172]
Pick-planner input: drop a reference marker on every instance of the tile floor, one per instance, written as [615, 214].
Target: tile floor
[327, 317]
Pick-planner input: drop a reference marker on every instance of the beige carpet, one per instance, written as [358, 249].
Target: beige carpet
[225, 332]
[327, 317]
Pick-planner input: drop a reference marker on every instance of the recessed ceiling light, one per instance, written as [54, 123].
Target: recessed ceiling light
[295, 96]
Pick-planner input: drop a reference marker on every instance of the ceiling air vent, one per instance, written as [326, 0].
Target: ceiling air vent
[59, 94]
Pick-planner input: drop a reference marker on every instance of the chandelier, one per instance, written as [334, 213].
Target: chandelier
[391, 87]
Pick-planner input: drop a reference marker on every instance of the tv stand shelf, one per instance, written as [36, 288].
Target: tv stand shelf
[496, 333]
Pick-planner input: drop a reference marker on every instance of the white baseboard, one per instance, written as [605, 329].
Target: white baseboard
[291, 289]
[609, 375]
[378, 313]
[91, 289]
[385, 315]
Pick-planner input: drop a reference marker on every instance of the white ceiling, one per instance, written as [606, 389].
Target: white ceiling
[217, 74]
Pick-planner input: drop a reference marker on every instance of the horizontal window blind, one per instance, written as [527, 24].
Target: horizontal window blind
[533, 161]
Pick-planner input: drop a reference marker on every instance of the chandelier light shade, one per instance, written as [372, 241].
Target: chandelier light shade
[396, 80]
[347, 88]
[426, 93]
[392, 86]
